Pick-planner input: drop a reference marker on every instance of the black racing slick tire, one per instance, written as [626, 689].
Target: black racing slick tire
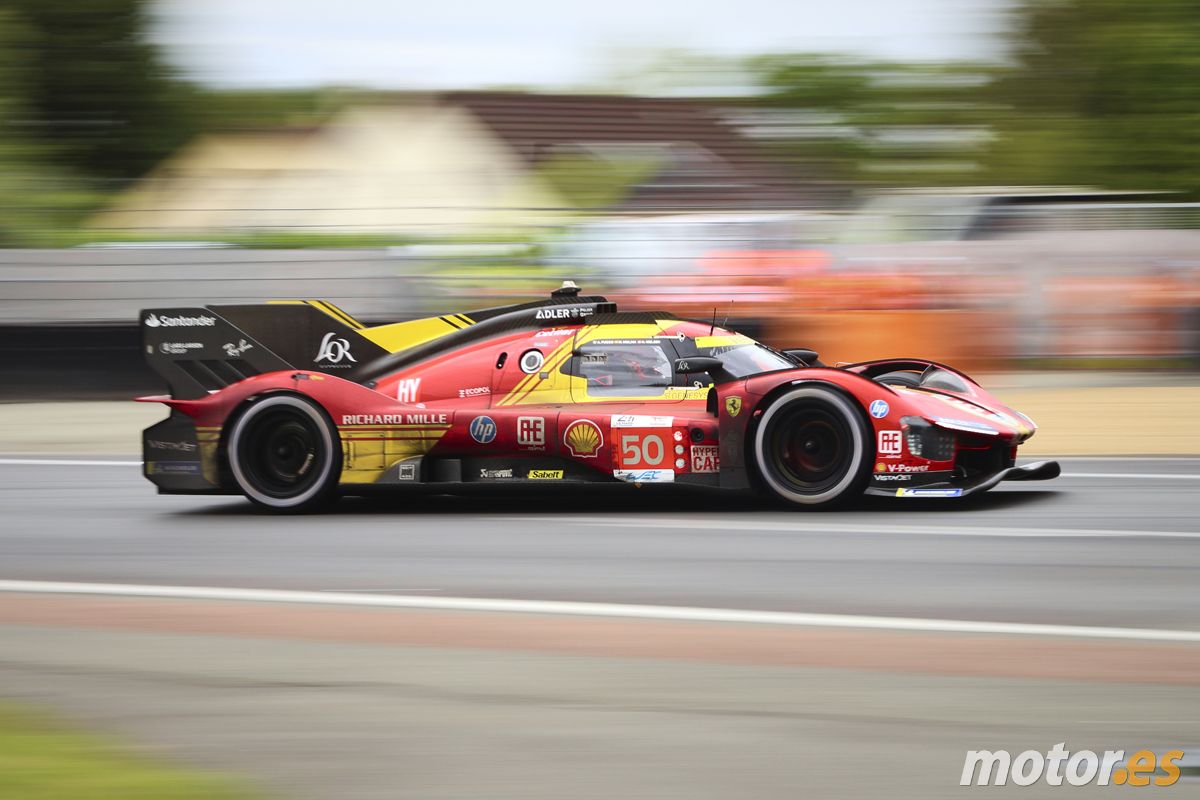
[285, 454]
[813, 448]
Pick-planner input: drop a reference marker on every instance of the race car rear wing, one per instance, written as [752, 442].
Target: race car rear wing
[204, 349]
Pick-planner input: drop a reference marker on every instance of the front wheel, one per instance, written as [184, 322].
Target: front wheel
[811, 448]
[285, 454]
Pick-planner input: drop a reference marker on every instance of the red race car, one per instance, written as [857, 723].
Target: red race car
[295, 403]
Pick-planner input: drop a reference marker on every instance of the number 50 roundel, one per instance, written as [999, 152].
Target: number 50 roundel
[643, 449]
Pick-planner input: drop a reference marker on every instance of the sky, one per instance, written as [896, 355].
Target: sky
[397, 44]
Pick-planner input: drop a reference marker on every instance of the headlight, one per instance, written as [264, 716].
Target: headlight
[968, 425]
[927, 441]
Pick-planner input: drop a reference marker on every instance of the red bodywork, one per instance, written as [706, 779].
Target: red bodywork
[473, 412]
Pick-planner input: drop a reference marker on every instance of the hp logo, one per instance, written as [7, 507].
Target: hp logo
[483, 429]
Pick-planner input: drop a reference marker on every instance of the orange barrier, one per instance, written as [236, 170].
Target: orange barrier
[964, 339]
[1136, 315]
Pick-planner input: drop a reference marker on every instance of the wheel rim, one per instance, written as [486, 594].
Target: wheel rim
[282, 454]
[812, 449]
[810, 446]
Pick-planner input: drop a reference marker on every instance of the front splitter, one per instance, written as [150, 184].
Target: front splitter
[1037, 471]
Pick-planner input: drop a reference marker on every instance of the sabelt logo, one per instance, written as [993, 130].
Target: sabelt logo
[157, 321]
[545, 475]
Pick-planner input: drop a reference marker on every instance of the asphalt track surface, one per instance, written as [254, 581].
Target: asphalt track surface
[440, 704]
[1117, 547]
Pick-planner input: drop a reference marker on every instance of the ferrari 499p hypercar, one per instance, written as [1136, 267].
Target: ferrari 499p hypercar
[295, 403]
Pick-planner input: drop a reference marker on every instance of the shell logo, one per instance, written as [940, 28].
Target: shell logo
[583, 438]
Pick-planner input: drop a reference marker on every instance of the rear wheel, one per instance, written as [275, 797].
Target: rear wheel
[811, 448]
[285, 454]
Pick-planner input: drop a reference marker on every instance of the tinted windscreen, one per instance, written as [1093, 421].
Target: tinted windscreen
[750, 359]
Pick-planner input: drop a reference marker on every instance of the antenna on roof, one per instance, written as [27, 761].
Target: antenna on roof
[725, 321]
[568, 289]
[713, 327]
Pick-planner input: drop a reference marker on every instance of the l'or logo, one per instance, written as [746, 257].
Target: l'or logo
[733, 405]
[334, 350]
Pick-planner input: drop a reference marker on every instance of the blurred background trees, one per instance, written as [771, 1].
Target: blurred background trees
[871, 123]
[96, 91]
[87, 105]
[1103, 93]
[35, 193]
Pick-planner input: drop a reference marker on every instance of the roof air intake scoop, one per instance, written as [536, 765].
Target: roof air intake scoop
[568, 289]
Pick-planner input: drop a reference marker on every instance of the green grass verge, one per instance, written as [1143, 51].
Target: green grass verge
[42, 759]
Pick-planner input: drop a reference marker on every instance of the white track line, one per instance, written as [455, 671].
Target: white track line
[833, 527]
[1138, 459]
[567, 608]
[1128, 475]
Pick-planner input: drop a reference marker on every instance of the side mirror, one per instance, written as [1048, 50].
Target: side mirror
[804, 356]
[697, 364]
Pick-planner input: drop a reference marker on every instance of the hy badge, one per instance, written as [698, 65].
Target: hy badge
[408, 390]
[879, 409]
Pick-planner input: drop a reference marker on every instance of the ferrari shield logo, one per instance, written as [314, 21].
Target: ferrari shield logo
[733, 405]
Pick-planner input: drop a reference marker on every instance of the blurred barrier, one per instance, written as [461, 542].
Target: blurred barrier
[1102, 298]
[73, 362]
[69, 318]
[110, 285]
[1124, 315]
